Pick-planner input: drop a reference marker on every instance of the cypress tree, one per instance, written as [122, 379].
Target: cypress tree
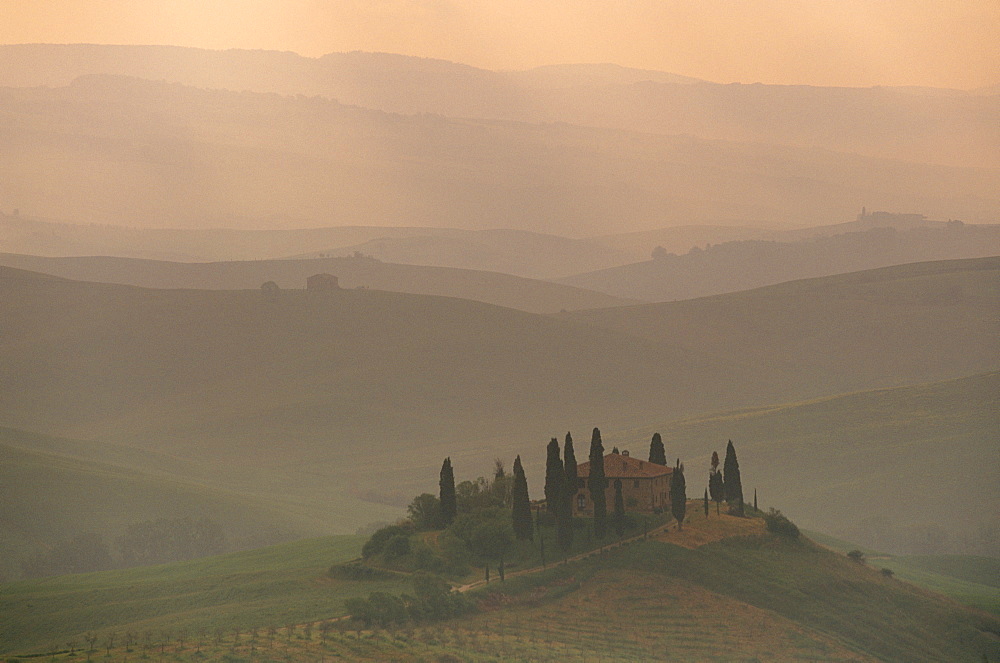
[755, 500]
[716, 488]
[521, 505]
[657, 454]
[619, 514]
[706, 502]
[678, 496]
[734, 486]
[449, 505]
[572, 481]
[597, 485]
[555, 477]
[556, 496]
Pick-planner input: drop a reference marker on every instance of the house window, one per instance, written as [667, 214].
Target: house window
[635, 484]
[581, 502]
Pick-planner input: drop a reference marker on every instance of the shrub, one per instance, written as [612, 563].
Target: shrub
[380, 538]
[887, 573]
[778, 523]
[857, 556]
[397, 546]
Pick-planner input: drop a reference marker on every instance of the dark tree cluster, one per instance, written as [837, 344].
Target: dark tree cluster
[147, 542]
[169, 540]
[83, 552]
[432, 600]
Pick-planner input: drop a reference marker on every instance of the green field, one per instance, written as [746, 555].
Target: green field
[259, 588]
[757, 597]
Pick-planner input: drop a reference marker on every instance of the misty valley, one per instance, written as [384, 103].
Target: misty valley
[384, 358]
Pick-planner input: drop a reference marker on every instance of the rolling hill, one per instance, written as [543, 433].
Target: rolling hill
[825, 462]
[761, 596]
[353, 272]
[177, 156]
[740, 265]
[48, 499]
[521, 253]
[836, 334]
[314, 395]
[904, 123]
[532, 255]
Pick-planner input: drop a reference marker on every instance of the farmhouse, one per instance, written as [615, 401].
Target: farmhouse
[645, 485]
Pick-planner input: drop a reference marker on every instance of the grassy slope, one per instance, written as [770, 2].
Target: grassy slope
[55, 487]
[742, 597]
[830, 335]
[305, 393]
[314, 386]
[490, 287]
[968, 579]
[820, 590]
[46, 498]
[259, 588]
[824, 461]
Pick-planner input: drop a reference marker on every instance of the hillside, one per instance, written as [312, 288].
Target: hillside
[353, 272]
[825, 461]
[969, 579]
[521, 253]
[837, 334]
[904, 123]
[268, 586]
[316, 395]
[180, 156]
[47, 499]
[739, 265]
[742, 596]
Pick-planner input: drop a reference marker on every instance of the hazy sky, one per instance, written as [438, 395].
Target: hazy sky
[949, 43]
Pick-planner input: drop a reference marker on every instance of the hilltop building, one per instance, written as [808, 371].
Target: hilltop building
[892, 220]
[645, 485]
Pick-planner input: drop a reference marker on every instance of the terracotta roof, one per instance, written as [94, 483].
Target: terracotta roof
[618, 466]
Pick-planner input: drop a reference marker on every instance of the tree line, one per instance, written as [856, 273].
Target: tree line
[143, 543]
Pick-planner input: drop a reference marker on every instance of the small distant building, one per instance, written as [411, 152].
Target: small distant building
[645, 485]
[322, 282]
[892, 220]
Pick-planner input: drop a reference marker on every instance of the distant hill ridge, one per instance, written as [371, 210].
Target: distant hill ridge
[354, 272]
[878, 121]
[740, 265]
[179, 156]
